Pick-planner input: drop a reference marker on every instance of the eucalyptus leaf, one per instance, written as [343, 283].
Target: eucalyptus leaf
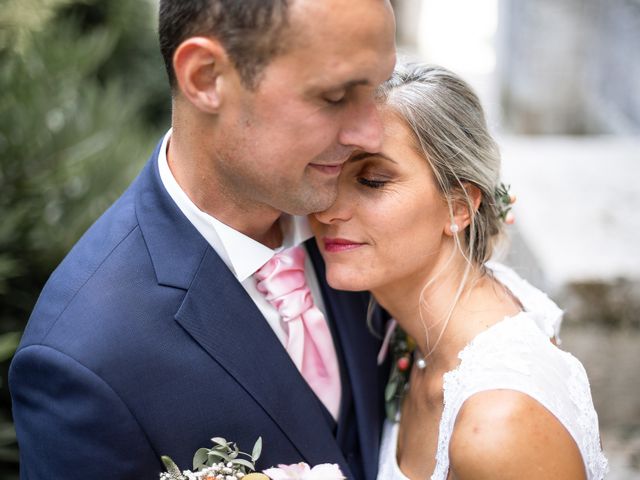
[172, 468]
[220, 441]
[200, 458]
[215, 453]
[390, 390]
[257, 450]
[244, 463]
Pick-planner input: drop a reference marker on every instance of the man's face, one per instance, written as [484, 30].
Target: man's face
[283, 144]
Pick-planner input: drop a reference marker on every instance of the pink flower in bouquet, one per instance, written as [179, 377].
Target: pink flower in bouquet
[302, 471]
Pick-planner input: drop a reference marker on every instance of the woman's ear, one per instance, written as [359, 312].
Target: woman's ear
[199, 63]
[461, 213]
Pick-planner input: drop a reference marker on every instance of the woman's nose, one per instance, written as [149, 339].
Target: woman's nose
[340, 211]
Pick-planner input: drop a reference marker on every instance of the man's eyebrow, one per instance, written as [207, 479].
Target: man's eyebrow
[349, 84]
[364, 155]
[355, 83]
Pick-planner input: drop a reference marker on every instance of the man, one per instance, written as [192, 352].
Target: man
[151, 336]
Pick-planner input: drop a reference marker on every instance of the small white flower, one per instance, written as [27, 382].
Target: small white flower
[190, 475]
[302, 471]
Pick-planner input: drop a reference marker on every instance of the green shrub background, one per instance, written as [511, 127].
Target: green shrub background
[83, 100]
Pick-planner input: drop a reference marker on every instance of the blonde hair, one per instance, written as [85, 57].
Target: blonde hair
[450, 132]
[449, 126]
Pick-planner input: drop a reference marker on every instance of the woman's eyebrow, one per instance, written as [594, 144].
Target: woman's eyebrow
[364, 155]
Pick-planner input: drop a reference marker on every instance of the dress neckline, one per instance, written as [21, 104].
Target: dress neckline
[537, 307]
[395, 427]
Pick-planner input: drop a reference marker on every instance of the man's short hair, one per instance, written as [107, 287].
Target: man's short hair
[249, 30]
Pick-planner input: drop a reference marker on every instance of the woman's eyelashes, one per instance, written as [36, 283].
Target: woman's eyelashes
[372, 183]
[371, 172]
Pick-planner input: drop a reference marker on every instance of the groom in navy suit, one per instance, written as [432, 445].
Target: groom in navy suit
[150, 337]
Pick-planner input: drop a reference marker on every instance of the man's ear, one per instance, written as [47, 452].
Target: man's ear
[199, 63]
[461, 212]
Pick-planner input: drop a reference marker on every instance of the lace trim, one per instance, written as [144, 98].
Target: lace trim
[488, 353]
[580, 394]
[547, 314]
[471, 364]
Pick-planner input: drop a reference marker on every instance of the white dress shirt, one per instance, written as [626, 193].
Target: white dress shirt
[240, 253]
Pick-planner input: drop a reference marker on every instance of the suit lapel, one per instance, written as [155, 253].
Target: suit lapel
[221, 317]
[360, 348]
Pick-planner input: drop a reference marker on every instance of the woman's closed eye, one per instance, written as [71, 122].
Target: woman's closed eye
[372, 182]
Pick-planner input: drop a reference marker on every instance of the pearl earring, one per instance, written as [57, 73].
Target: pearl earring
[454, 228]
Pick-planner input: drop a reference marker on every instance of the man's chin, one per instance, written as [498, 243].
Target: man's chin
[314, 200]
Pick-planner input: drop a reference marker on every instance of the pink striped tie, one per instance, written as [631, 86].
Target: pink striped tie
[309, 341]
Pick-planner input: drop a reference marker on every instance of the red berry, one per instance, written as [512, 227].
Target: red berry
[403, 363]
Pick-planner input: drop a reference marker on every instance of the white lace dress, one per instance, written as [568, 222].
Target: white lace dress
[515, 354]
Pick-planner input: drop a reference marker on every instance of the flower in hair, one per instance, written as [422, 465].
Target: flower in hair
[504, 201]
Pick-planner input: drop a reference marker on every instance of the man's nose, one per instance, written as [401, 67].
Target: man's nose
[362, 127]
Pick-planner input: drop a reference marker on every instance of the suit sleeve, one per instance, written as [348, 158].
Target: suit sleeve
[71, 424]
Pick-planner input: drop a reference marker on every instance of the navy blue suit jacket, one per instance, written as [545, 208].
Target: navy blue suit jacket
[144, 344]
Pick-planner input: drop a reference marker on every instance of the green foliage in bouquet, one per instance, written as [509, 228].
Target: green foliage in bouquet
[223, 460]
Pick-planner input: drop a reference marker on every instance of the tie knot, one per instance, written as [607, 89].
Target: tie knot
[291, 259]
[283, 283]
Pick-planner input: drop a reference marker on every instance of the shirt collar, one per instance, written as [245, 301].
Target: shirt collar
[240, 253]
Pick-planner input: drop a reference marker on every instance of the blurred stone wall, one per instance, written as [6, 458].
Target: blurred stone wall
[614, 72]
[407, 14]
[569, 66]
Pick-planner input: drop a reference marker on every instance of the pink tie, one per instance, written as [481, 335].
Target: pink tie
[309, 341]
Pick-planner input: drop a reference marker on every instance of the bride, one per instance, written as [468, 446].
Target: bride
[489, 395]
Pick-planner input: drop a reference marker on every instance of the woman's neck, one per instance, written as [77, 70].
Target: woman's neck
[420, 302]
[443, 317]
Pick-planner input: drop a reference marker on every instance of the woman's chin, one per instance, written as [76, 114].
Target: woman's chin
[349, 281]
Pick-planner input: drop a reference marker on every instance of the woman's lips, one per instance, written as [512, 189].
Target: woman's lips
[333, 245]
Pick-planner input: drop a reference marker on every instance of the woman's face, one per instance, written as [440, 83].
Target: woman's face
[388, 223]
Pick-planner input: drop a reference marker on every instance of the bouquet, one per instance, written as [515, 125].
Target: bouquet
[225, 461]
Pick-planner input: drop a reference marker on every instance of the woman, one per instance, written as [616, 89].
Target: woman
[489, 395]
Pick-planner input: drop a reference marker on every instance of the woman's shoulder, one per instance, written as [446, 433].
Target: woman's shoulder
[515, 387]
[508, 434]
[515, 355]
[517, 404]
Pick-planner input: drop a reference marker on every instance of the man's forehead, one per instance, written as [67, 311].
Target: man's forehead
[328, 49]
[334, 21]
